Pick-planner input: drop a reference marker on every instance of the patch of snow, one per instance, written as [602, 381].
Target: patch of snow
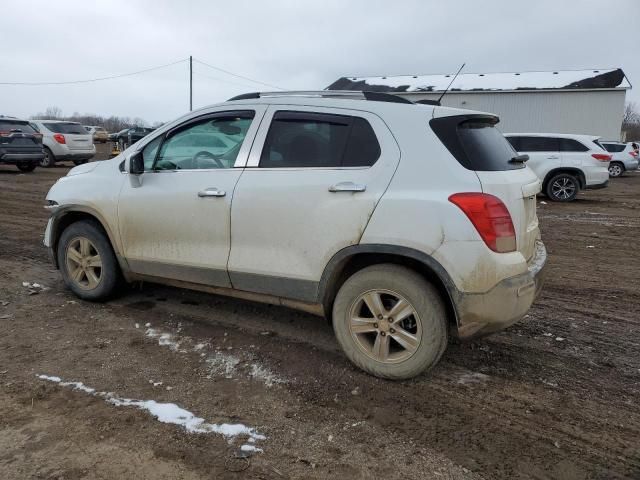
[262, 373]
[199, 346]
[472, 377]
[250, 448]
[559, 339]
[223, 363]
[164, 339]
[137, 325]
[147, 325]
[170, 413]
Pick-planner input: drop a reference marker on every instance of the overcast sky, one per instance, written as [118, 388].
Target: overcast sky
[290, 44]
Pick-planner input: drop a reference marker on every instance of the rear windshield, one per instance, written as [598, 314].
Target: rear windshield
[614, 147]
[61, 127]
[8, 125]
[476, 143]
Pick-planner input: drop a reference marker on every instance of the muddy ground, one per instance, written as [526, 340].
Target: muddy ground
[556, 396]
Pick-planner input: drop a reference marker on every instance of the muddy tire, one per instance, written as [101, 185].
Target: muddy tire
[88, 265]
[48, 160]
[26, 167]
[562, 187]
[395, 348]
[616, 169]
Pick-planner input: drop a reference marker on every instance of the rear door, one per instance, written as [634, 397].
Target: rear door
[514, 183]
[75, 135]
[313, 180]
[572, 151]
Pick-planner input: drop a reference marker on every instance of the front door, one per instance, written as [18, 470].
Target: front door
[174, 220]
[312, 182]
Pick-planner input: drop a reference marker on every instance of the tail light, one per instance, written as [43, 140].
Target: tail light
[491, 219]
[4, 134]
[58, 137]
[603, 157]
[633, 153]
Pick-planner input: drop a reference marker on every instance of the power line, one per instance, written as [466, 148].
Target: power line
[236, 75]
[222, 80]
[71, 82]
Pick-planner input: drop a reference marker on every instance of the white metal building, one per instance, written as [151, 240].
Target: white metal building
[576, 101]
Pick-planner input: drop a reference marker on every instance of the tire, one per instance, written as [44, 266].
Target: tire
[562, 187]
[83, 283]
[79, 162]
[26, 167]
[49, 159]
[427, 322]
[616, 169]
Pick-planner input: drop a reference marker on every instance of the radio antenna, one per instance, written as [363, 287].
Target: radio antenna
[451, 83]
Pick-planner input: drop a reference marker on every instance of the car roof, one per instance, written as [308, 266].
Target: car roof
[55, 121]
[555, 135]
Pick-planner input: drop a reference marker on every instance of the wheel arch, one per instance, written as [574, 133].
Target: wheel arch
[351, 259]
[576, 172]
[66, 215]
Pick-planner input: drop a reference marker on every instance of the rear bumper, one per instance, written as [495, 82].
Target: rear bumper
[506, 303]
[14, 158]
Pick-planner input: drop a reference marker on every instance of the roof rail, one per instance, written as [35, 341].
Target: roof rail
[351, 94]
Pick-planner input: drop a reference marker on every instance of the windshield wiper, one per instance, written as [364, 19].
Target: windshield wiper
[519, 158]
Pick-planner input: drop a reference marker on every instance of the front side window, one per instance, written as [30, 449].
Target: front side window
[308, 140]
[207, 144]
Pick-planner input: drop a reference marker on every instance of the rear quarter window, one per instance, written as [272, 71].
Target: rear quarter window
[613, 147]
[476, 143]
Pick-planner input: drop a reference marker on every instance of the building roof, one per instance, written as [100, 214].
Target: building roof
[481, 82]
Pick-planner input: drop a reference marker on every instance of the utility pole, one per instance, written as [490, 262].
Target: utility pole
[190, 83]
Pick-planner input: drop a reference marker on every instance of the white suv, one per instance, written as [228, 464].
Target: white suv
[401, 223]
[64, 140]
[624, 157]
[565, 163]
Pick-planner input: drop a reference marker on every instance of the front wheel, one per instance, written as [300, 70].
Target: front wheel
[616, 170]
[390, 321]
[26, 167]
[87, 262]
[563, 187]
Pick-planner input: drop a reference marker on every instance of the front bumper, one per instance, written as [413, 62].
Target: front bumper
[506, 303]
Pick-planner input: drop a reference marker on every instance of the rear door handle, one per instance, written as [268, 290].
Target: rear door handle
[553, 157]
[347, 187]
[211, 192]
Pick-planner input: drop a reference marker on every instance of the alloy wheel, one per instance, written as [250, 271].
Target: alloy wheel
[385, 326]
[563, 188]
[615, 170]
[84, 263]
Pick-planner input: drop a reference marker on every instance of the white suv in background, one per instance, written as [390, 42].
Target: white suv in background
[401, 223]
[64, 140]
[565, 163]
[624, 157]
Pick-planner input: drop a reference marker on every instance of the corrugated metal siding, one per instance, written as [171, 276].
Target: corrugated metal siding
[593, 112]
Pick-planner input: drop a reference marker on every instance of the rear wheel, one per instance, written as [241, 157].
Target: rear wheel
[563, 187]
[48, 160]
[26, 167]
[616, 169]
[87, 262]
[390, 321]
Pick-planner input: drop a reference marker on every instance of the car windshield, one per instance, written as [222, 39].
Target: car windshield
[8, 125]
[63, 127]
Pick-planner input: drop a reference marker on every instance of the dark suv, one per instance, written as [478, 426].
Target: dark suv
[20, 144]
[129, 136]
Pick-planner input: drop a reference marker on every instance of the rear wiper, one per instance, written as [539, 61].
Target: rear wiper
[519, 158]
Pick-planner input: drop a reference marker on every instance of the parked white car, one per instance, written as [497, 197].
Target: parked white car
[564, 163]
[624, 157]
[401, 223]
[64, 140]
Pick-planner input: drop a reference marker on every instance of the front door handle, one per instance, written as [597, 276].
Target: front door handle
[553, 157]
[347, 187]
[211, 192]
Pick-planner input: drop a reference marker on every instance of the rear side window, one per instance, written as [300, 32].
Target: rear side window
[614, 147]
[8, 125]
[539, 144]
[571, 145]
[62, 127]
[306, 139]
[475, 142]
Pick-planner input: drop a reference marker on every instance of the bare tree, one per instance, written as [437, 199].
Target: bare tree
[112, 123]
[50, 113]
[631, 122]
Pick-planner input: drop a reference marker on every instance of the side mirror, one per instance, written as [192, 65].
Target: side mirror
[136, 164]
